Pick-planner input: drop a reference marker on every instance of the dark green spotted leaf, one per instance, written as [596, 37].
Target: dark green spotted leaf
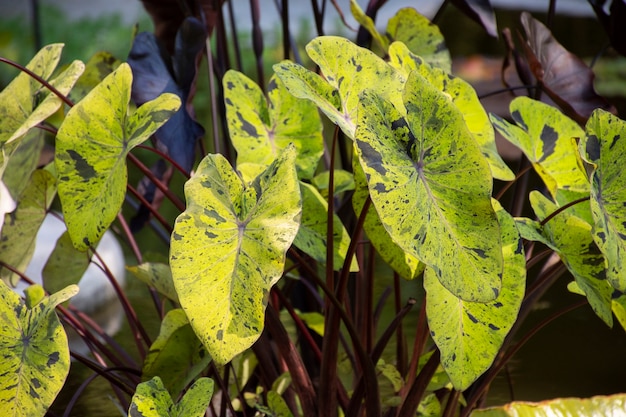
[572, 238]
[34, 351]
[604, 146]
[152, 400]
[177, 356]
[24, 103]
[463, 95]
[532, 231]
[158, 276]
[311, 237]
[546, 136]
[261, 129]
[470, 334]
[91, 148]
[431, 187]
[421, 37]
[405, 264]
[228, 249]
[348, 69]
[600, 406]
[20, 227]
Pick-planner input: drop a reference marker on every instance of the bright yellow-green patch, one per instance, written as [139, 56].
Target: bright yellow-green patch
[151, 399]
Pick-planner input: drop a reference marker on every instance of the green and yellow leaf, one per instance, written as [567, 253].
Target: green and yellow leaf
[152, 400]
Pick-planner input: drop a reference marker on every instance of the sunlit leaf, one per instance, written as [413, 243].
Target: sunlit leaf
[20, 228]
[35, 353]
[158, 276]
[600, 406]
[563, 76]
[152, 400]
[348, 69]
[405, 264]
[574, 243]
[469, 334]
[177, 356]
[91, 148]
[261, 129]
[311, 237]
[24, 103]
[605, 147]
[545, 136]
[228, 249]
[420, 36]
[463, 95]
[431, 187]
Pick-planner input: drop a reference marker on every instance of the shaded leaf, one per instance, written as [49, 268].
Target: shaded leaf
[158, 276]
[92, 144]
[600, 406]
[20, 228]
[97, 68]
[572, 238]
[604, 146]
[348, 69]
[431, 187]
[261, 129]
[25, 102]
[463, 96]
[421, 37]
[481, 12]
[35, 353]
[545, 136]
[228, 249]
[311, 237]
[151, 399]
[532, 230]
[22, 161]
[66, 265]
[563, 76]
[342, 180]
[177, 356]
[612, 22]
[470, 334]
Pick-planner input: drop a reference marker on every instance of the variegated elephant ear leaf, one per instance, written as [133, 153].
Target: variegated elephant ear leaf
[228, 249]
[431, 187]
[91, 149]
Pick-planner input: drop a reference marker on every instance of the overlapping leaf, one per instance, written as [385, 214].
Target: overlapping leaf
[348, 69]
[546, 136]
[261, 129]
[34, 351]
[311, 237]
[421, 37]
[605, 147]
[463, 95]
[25, 102]
[177, 356]
[158, 276]
[151, 399]
[572, 238]
[97, 68]
[20, 228]
[228, 249]
[92, 144]
[431, 187]
[469, 334]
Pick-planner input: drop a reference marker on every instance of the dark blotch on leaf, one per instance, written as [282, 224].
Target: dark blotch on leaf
[493, 327]
[472, 318]
[548, 136]
[53, 358]
[84, 169]
[220, 334]
[247, 127]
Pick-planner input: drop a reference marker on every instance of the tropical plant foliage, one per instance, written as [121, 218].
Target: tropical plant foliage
[269, 284]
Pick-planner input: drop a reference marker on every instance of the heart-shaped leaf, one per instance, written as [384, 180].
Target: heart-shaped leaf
[572, 238]
[604, 146]
[470, 334]
[421, 37]
[563, 76]
[20, 228]
[177, 356]
[431, 187]
[545, 135]
[35, 353]
[463, 95]
[24, 103]
[261, 129]
[152, 400]
[91, 149]
[348, 69]
[228, 249]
